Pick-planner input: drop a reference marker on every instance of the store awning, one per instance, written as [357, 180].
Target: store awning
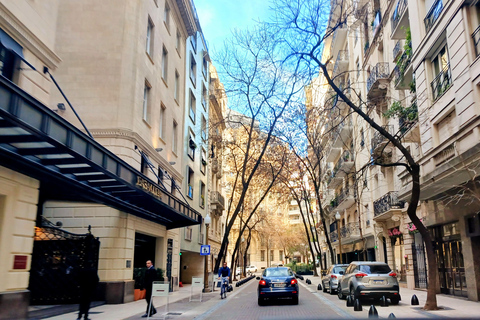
[37, 142]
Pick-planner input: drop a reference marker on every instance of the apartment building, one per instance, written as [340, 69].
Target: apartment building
[113, 172]
[415, 67]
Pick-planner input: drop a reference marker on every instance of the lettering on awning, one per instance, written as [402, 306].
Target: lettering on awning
[149, 187]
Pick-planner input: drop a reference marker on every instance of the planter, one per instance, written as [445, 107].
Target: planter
[139, 294]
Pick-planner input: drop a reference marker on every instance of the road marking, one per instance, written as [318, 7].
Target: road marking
[343, 314]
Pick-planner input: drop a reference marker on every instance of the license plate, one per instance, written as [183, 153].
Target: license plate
[279, 285]
[378, 281]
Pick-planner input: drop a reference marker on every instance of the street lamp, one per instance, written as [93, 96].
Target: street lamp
[207, 222]
[338, 217]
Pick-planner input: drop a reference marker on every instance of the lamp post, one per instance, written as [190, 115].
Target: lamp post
[338, 217]
[207, 222]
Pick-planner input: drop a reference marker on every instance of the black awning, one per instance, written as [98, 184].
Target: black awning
[13, 46]
[36, 141]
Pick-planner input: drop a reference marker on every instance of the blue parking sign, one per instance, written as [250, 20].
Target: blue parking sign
[205, 250]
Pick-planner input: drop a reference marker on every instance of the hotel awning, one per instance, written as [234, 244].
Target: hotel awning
[71, 166]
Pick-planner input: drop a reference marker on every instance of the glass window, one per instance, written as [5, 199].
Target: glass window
[149, 40]
[375, 269]
[164, 63]
[146, 100]
[166, 15]
[177, 86]
[193, 69]
[161, 123]
[277, 272]
[174, 136]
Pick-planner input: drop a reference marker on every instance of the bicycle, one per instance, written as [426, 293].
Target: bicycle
[224, 287]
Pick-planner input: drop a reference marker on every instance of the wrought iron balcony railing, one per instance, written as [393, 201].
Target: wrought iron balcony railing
[380, 71]
[409, 120]
[433, 14]
[398, 12]
[397, 49]
[218, 198]
[387, 202]
[378, 138]
[345, 193]
[476, 40]
[441, 82]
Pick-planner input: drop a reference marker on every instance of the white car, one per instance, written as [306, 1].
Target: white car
[251, 269]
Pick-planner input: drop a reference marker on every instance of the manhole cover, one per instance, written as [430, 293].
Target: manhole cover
[174, 314]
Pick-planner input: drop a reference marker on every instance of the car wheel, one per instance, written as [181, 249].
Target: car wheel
[261, 301]
[353, 293]
[324, 288]
[331, 289]
[395, 300]
[339, 293]
[295, 300]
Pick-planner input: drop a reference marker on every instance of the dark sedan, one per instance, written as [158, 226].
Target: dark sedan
[278, 282]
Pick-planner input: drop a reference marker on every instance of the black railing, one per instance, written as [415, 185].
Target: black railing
[397, 13]
[408, 121]
[433, 14]
[397, 49]
[386, 203]
[441, 82]
[217, 197]
[380, 71]
[378, 138]
[476, 40]
[344, 194]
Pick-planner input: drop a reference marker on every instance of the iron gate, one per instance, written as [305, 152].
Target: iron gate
[419, 265]
[57, 258]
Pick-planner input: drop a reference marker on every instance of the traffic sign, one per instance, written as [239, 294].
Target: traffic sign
[205, 250]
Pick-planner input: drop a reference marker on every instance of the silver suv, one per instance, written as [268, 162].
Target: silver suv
[332, 276]
[369, 280]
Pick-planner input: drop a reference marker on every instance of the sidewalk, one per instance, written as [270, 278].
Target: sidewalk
[452, 307]
[179, 306]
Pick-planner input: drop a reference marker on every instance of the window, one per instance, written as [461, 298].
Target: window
[161, 175]
[204, 128]
[174, 136]
[202, 194]
[262, 255]
[205, 66]
[149, 41]
[362, 137]
[441, 73]
[190, 179]
[146, 100]
[358, 68]
[166, 15]
[193, 103]
[188, 233]
[271, 255]
[280, 255]
[161, 122]
[204, 96]
[191, 146]
[203, 164]
[144, 164]
[177, 86]
[164, 64]
[173, 187]
[193, 41]
[8, 64]
[476, 26]
[193, 69]
[446, 127]
[178, 43]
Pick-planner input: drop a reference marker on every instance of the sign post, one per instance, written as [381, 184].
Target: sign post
[159, 289]
[196, 283]
[205, 250]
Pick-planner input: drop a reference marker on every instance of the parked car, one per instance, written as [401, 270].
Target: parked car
[331, 277]
[252, 269]
[369, 280]
[275, 283]
[238, 271]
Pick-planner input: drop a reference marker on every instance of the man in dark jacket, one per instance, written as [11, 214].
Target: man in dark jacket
[88, 280]
[150, 276]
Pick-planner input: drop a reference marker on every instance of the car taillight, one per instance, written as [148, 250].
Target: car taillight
[262, 283]
[294, 281]
[333, 276]
[392, 274]
[361, 275]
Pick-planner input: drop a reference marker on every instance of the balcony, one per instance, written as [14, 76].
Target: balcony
[218, 201]
[408, 124]
[331, 151]
[397, 50]
[342, 133]
[341, 64]
[403, 71]
[377, 81]
[338, 40]
[345, 199]
[386, 206]
[379, 141]
[360, 9]
[433, 14]
[399, 20]
[334, 179]
[476, 40]
[346, 163]
[442, 82]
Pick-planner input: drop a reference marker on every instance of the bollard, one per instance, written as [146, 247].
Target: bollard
[372, 312]
[391, 315]
[415, 300]
[357, 306]
[308, 281]
[349, 301]
[383, 302]
[319, 286]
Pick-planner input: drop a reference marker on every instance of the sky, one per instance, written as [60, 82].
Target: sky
[219, 17]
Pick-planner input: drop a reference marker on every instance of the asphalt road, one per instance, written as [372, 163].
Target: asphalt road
[312, 305]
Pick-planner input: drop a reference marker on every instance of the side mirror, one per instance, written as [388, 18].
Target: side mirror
[342, 272]
[258, 278]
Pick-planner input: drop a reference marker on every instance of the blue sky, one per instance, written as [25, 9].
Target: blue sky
[219, 17]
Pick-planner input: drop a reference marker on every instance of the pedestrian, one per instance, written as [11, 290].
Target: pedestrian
[88, 280]
[150, 276]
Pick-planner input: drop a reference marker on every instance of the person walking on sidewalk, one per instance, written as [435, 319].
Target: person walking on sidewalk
[88, 280]
[150, 276]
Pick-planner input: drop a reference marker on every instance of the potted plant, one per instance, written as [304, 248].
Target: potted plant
[138, 277]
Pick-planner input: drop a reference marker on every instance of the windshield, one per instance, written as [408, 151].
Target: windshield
[375, 269]
[276, 272]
